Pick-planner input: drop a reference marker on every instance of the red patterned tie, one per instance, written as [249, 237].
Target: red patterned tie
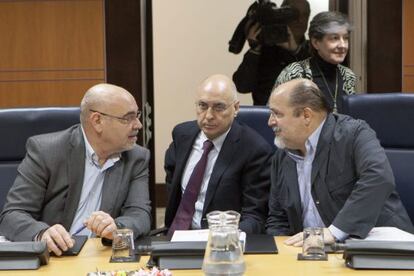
[186, 209]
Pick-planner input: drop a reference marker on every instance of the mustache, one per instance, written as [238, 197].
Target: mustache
[276, 129]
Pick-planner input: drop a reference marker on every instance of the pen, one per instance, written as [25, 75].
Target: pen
[79, 230]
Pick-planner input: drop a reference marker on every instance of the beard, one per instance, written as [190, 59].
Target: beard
[279, 143]
[278, 140]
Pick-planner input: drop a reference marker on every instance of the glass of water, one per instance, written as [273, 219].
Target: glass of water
[313, 244]
[123, 246]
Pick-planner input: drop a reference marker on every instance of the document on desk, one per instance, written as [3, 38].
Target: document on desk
[388, 234]
[190, 235]
[198, 235]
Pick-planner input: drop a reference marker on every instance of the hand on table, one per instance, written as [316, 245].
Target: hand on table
[57, 239]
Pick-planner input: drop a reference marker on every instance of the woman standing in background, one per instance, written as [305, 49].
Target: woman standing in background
[329, 43]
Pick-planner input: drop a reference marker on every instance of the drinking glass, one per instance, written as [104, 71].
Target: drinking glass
[123, 246]
[313, 244]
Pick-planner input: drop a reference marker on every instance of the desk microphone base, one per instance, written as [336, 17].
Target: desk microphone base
[19, 263]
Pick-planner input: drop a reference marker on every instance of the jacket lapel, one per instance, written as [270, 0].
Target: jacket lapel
[75, 168]
[293, 191]
[112, 186]
[182, 155]
[322, 149]
[182, 152]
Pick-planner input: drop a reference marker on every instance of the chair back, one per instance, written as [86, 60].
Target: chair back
[256, 117]
[391, 115]
[18, 124]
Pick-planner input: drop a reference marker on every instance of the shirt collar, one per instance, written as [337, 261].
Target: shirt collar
[217, 142]
[310, 144]
[313, 139]
[92, 157]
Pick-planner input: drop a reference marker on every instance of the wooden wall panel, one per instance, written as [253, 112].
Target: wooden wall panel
[38, 93]
[51, 51]
[408, 78]
[384, 48]
[408, 46]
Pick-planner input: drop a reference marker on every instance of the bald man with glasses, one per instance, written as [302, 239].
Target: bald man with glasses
[215, 163]
[89, 179]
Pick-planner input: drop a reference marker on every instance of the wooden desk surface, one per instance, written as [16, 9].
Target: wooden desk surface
[96, 256]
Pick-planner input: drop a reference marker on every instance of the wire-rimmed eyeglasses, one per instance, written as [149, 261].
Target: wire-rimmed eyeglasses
[127, 119]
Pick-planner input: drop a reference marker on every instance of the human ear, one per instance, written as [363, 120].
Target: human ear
[95, 120]
[315, 43]
[307, 115]
[236, 108]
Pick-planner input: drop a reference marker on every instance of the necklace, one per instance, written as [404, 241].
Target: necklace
[333, 95]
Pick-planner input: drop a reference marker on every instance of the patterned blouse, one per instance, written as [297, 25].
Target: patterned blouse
[302, 69]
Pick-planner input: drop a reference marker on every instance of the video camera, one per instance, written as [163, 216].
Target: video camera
[272, 20]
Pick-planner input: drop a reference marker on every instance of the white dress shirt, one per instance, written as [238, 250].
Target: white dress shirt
[192, 161]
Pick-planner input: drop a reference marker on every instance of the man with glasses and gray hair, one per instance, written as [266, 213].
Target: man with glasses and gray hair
[89, 179]
[215, 163]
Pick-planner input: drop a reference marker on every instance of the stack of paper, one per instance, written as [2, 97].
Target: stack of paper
[388, 234]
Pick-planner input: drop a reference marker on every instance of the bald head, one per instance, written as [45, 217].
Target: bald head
[216, 105]
[219, 85]
[110, 120]
[101, 96]
[301, 93]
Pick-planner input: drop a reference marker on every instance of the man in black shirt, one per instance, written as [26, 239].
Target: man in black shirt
[262, 64]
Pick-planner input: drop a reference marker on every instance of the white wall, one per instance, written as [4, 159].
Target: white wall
[190, 43]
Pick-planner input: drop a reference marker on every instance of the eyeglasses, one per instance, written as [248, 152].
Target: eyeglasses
[273, 114]
[216, 107]
[127, 119]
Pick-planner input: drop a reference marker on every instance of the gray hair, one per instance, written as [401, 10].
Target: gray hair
[307, 94]
[326, 23]
[89, 101]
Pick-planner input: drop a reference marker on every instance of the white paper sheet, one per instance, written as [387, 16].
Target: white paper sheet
[388, 234]
[190, 235]
[199, 235]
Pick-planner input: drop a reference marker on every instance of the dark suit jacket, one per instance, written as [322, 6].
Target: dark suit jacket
[352, 183]
[239, 181]
[49, 184]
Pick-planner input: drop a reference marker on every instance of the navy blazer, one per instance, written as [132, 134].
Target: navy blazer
[352, 183]
[240, 179]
